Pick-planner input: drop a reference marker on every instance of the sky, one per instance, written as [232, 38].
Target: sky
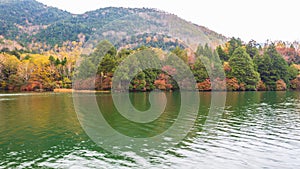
[248, 19]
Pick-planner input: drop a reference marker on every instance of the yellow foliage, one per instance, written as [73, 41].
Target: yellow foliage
[39, 59]
[296, 66]
[226, 67]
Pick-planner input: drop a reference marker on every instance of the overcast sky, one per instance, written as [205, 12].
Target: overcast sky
[252, 19]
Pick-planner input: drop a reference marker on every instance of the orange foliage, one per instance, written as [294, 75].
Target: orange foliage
[232, 84]
[204, 86]
[242, 87]
[295, 84]
[148, 39]
[32, 86]
[226, 67]
[162, 82]
[280, 85]
[261, 86]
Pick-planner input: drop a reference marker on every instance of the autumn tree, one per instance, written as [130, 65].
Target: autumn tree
[9, 68]
[25, 70]
[42, 72]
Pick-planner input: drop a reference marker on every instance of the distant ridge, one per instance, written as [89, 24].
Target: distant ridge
[30, 23]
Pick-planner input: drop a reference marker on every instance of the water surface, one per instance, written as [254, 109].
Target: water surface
[256, 130]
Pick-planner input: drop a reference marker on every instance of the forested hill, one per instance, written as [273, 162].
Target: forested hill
[23, 20]
[34, 25]
[40, 47]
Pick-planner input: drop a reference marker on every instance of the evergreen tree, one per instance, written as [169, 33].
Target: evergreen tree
[251, 48]
[223, 56]
[210, 59]
[272, 67]
[278, 64]
[243, 68]
[57, 62]
[199, 71]
[181, 54]
[265, 70]
[51, 59]
[234, 44]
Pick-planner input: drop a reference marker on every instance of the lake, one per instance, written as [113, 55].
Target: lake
[255, 130]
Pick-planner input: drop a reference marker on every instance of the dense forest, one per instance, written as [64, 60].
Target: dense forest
[247, 66]
[35, 26]
[41, 48]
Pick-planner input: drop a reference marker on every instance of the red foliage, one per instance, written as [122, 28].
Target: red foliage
[288, 53]
[32, 86]
[169, 69]
[242, 87]
[162, 82]
[280, 85]
[232, 84]
[295, 84]
[219, 84]
[261, 86]
[204, 86]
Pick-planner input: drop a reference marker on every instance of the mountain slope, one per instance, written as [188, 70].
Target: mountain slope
[20, 19]
[28, 22]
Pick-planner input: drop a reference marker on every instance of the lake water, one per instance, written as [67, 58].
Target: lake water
[255, 130]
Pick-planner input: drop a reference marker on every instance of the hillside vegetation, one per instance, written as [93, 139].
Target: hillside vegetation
[37, 26]
[44, 48]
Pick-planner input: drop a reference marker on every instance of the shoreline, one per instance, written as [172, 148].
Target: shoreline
[109, 91]
[80, 91]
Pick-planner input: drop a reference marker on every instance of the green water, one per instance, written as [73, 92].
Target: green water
[255, 130]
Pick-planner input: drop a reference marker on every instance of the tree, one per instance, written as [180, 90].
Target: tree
[233, 44]
[223, 56]
[293, 72]
[57, 62]
[182, 54]
[25, 70]
[267, 75]
[199, 71]
[86, 69]
[64, 61]
[243, 68]
[107, 64]
[9, 66]
[279, 65]
[51, 59]
[272, 67]
[42, 72]
[251, 48]
[211, 61]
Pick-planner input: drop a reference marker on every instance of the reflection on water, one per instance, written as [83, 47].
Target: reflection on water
[256, 130]
[140, 101]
